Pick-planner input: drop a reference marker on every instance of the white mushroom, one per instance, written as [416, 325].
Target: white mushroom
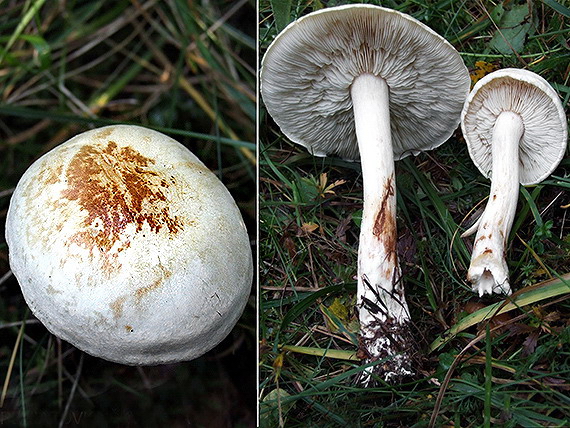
[129, 248]
[516, 132]
[368, 83]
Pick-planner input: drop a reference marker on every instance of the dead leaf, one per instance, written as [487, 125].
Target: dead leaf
[307, 228]
[529, 344]
[482, 68]
[289, 245]
[406, 248]
[324, 189]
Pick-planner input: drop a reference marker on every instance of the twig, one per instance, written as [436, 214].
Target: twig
[7, 192]
[18, 323]
[5, 277]
[447, 379]
[72, 393]
[11, 365]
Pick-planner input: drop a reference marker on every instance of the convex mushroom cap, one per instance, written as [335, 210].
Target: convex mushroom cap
[129, 248]
[308, 70]
[528, 95]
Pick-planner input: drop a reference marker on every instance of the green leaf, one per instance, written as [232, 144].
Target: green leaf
[514, 27]
[340, 324]
[274, 407]
[282, 11]
[445, 361]
[305, 190]
[42, 58]
[30, 113]
[8, 58]
[357, 217]
[488, 379]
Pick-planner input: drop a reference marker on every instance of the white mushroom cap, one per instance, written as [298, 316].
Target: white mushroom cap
[308, 70]
[527, 94]
[128, 247]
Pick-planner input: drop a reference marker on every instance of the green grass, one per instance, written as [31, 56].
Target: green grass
[184, 68]
[516, 372]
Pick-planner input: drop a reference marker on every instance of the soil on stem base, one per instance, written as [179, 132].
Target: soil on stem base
[393, 343]
[386, 338]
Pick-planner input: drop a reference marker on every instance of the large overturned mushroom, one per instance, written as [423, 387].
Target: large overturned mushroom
[516, 132]
[375, 85]
[128, 247]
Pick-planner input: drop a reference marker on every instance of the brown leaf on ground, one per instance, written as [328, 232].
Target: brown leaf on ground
[529, 344]
[289, 245]
[307, 228]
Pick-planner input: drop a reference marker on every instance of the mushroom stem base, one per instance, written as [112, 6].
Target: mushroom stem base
[391, 343]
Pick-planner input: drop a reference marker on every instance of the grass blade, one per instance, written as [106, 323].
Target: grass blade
[338, 354]
[536, 293]
[488, 378]
[563, 10]
[10, 110]
[34, 8]
[11, 364]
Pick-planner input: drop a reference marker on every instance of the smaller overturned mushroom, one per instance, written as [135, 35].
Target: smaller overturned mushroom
[516, 132]
[375, 85]
[128, 247]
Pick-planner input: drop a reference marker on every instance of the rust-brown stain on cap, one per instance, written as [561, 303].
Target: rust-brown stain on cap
[117, 306]
[50, 175]
[117, 187]
[146, 289]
